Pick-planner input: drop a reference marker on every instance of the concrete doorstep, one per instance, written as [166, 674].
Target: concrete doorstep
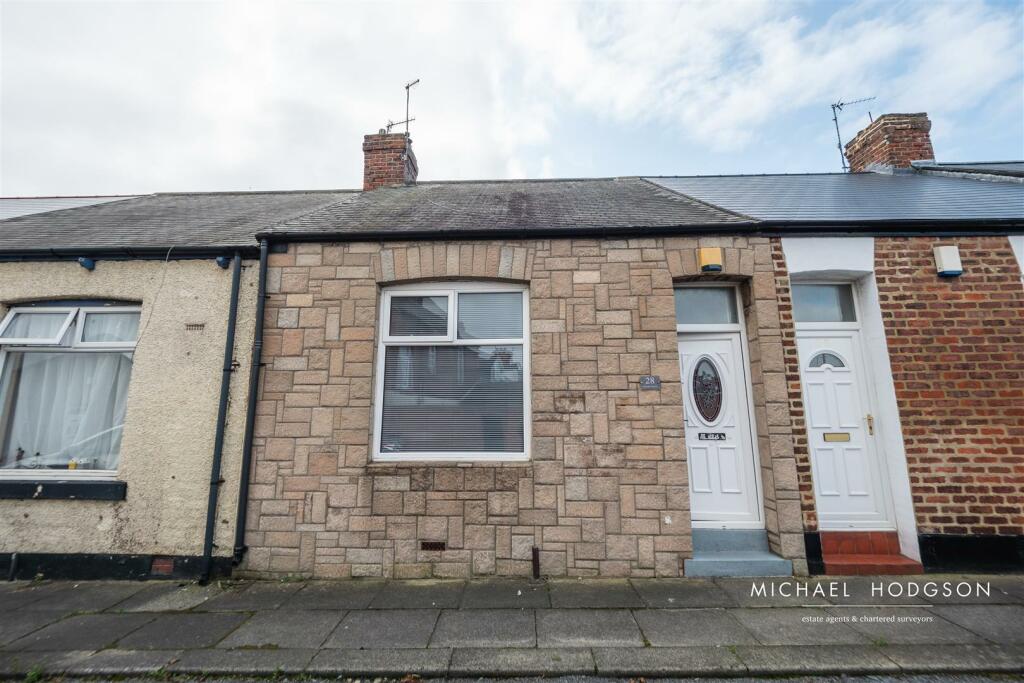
[503, 628]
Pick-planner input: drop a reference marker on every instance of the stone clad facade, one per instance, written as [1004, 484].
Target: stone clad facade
[605, 491]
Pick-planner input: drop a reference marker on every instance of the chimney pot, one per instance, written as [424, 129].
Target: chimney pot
[891, 140]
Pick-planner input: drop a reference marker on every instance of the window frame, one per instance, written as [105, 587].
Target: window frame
[452, 291]
[827, 326]
[737, 326]
[84, 312]
[70, 314]
[76, 317]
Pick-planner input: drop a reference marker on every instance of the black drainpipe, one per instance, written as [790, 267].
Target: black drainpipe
[222, 413]
[250, 414]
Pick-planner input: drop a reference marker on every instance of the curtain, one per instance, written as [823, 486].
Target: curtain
[32, 325]
[65, 406]
[111, 327]
[62, 405]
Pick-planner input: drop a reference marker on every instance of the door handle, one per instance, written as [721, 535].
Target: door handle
[871, 424]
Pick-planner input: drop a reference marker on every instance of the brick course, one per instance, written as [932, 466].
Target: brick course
[388, 160]
[957, 353]
[605, 492]
[892, 140]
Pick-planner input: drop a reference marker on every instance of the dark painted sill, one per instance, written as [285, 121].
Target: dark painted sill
[46, 489]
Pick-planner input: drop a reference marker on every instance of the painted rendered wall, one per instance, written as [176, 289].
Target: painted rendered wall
[1017, 244]
[167, 447]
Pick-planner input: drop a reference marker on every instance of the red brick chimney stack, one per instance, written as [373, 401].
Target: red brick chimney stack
[388, 160]
[892, 140]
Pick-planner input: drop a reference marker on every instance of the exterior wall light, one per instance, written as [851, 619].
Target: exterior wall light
[710, 259]
[223, 262]
[87, 263]
[947, 261]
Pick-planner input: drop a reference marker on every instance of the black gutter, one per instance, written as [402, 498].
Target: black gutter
[907, 228]
[125, 253]
[250, 413]
[222, 413]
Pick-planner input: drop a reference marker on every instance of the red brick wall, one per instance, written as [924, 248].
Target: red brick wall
[891, 140]
[388, 160]
[957, 352]
[801, 453]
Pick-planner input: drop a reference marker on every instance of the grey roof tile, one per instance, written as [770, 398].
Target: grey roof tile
[161, 221]
[11, 207]
[535, 206]
[1013, 169]
[855, 197]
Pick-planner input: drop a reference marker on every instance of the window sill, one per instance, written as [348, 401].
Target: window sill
[61, 489]
[385, 462]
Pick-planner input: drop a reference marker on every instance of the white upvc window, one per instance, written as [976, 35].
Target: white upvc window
[824, 305]
[453, 373]
[64, 373]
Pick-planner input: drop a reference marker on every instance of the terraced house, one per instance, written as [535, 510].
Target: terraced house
[732, 375]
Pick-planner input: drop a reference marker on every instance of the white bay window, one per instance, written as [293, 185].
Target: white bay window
[453, 373]
[64, 373]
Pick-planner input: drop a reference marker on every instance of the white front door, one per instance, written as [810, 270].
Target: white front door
[849, 485]
[719, 449]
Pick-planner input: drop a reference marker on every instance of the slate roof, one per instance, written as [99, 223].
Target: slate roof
[534, 207]
[999, 168]
[203, 222]
[11, 207]
[855, 197]
[161, 221]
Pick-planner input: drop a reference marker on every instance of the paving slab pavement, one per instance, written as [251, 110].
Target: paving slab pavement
[184, 630]
[587, 628]
[682, 593]
[81, 632]
[334, 595]
[520, 662]
[381, 662]
[513, 627]
[485, 628]
[420, 594]
[796, 626]
[296, 629]
[667, 628]
[670, 661]
[370, 629]
[905, 625]
[595, 593]
[997, 623]
[797, 660]
[511, 593]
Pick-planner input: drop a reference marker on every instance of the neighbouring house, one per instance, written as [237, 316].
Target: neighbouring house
[115, 409]
[702, 376]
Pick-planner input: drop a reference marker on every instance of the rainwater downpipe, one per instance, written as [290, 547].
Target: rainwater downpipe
[250, 415]
[222, 411]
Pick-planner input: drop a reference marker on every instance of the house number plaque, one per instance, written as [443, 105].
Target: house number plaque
[711, 436]
[650, 382]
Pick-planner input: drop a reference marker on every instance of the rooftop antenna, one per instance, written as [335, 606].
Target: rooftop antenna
[836, 108]
[408, 120]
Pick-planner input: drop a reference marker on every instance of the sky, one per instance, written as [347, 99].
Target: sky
[138, 97]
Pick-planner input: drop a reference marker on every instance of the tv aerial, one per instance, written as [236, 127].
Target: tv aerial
[408, 119]
[836, 108]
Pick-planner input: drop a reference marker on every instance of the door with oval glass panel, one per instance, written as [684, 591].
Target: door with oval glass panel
[719, 448]
[850, 487]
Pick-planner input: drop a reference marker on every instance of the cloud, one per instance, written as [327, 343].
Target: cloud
[718, 71]
[136, 97]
